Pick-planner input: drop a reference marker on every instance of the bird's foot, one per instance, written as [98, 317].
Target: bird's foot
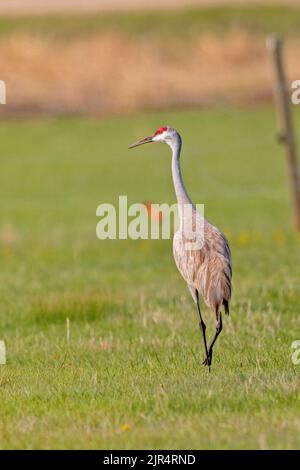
[207, 360]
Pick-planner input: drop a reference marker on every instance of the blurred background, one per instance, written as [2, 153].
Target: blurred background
[83, 81]
[115, 57]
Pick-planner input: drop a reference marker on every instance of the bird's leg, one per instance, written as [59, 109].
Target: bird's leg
[203, 328]
[218, 331]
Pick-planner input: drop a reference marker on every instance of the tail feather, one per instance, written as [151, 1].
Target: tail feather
[226, 306]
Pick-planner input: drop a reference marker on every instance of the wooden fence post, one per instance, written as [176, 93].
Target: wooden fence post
[286, 130]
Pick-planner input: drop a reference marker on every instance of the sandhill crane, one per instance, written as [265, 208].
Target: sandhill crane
[206, 269]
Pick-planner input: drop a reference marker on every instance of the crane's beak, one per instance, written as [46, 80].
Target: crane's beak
[146, 140]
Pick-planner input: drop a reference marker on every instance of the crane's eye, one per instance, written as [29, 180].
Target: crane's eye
[161, 130]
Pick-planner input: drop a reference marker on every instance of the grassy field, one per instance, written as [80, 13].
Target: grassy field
[263, 19]
[131, 375]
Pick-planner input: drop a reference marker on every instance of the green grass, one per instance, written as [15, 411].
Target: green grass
[256, 19]
[133, 325]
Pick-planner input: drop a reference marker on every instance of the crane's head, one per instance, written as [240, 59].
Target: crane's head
[164, 134]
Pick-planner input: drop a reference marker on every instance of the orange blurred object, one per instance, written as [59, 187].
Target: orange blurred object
[153, 213]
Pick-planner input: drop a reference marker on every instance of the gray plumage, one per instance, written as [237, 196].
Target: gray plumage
[207, 270]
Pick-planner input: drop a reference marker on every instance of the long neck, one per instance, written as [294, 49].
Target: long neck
[181, 193]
